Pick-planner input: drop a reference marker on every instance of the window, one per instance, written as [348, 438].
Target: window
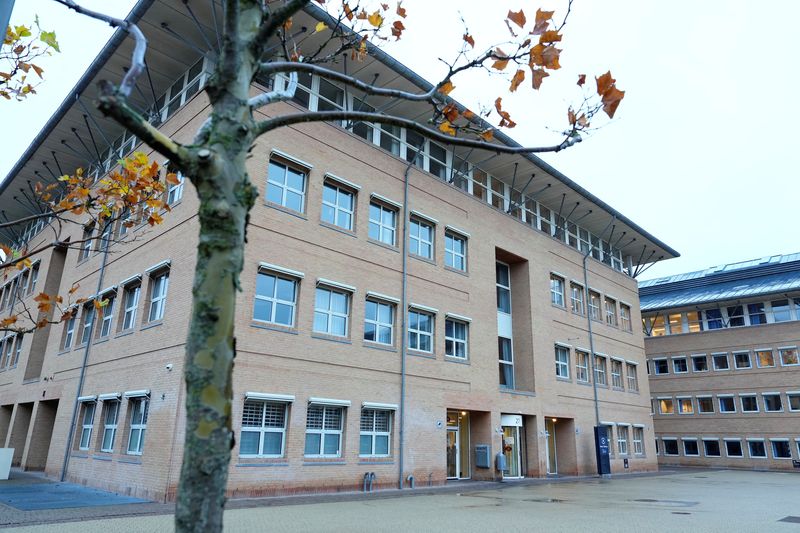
[665, 406]
[780, 310]
[34, 278]
[679, 365]
[337, 205]
[331, 312]
[69, 330]
[741, 360]
[506, 363]
[562, 362]
[600, 370]
[86, 243]
[376, 425]
[726, 404]
[700, 363]
[735, 316]
[275, 300]
[685, 406]
[138, 425]
[455, 338]
[455, 251]
[757, 449]
[420, 331]
[576, 298]
[109, 425]
[749, 403]
[711, 448]
[788, 356]
[765, 358]
[379, 322]
[324, 431]
[670, 446]
[420, 238]
[175, 190]
[556, 290]
[733, 448]
[382, 223]
[720, 361]
[695, 321]
[633, 377]
[714, 318]
[5, 360]
[757, 314]
[582, 367]
[87, 423]
[616, 374]
[660, 366]
[611, 312]
[705, 404]
[690, 447]
[772, 402]
[625, 317]
[87, 319]
[594, 305]
[263, 429]
[130, 304]
[106, 315]
[638, 440]
[17, 350]
[158, 295]
[781, 449]
[675, 323]
[794, 400]
[286, 186]
[657, 324]
[622, 440]
[503, 281]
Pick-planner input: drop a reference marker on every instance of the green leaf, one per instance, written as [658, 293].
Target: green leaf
[49, 38]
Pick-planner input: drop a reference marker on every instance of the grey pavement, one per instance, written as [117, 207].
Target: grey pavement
[684, 500]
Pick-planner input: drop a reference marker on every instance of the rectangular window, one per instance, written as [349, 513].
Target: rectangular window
[675, 323]
[726, 404]
[338, 204]
[794, 401]
[130, 304]
[556, 290]
[705, 404]
[562, 362]
[69, 331]
[600, 370]
[576, 298]
[87, 320]
[788, 356]
[139, 411]
[765, 358]
[158, 295]
[720, 361]
[622, 440]
[109, 425]
[106, 315]
[87, 423]
[735, 316]
[670, 446]
[175, 190]
[679, 365]
[741, 360]
[382, 223]
[420, 331]
[263, 429]
[420, 238]
[749, 403]
[685, 406]
[611, 312]
[665, 406]
[757, 449]
[711, 448]
[375, 433]
[503, 283]
[633, 377]
[616, 374]
[695, 321]
[286, 186]
[86, 243]
[455, 338]
[757, 314]
[506, 363]
[455, 251]
[690, 448]
[17, 350]
[700, 363]
[594, 305]
[714, 318]
[780, 310]
[658, 326]
[379, 322]
[275, 300]
[772, 402]
[324, 431]
[660, 366]
[638, 440]
[625, 317]
[582, 367]
[781, 449]
[331, 312]
[733, 448]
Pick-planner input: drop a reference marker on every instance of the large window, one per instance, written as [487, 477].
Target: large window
[622, 440]
[324, 431]
[611, 312]
[139, 411]
[506, 363]
[275, 300]
[638, 440]
[616, 374]
[379, 322]
[331, 312]
[582, 366]
[263, 429]
[625, 317]
[600, 370]
[87, 423]
[633, 377]
[110, 418]
[375, 433]
[130, 305]
[159, 283]
[337, 205]
[420, 331]
[420, 238]
[382, 223]
[455, 251]
[286, 186]
[455, 338]
[772, 402]
[765, 358]
[556, 290]
[562, 362]
[503, 284]
[106, 315]
[576, 298]
[594, 305]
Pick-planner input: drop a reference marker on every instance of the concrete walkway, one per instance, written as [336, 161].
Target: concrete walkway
[690, 500]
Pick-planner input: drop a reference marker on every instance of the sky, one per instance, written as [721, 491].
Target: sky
[698, 154]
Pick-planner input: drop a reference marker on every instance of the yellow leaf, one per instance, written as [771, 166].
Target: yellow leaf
[375, 19]
[446, 127]
[447, 88]
[321, 26]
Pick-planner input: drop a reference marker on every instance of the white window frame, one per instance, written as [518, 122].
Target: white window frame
[714, 361]
[750, 449]
[451, 254]
[130, 296]
[622, 439]
[329, 313]
[557, 287]
[705, 449]
[378, 324]
[772, 448]
[263, 429]
[661, 400]
[611, 311]
[601, 369]
[110, 426]
[632, 370]
[727, 451]
[158, 300]
[697, 357]
[772, 395]
[69, 334]
[677, 448]
[417, 224]
[789, 396]
[749, 360]
[680, 404]
[107, 317]
[704, 397]
[138, 405]
[684, 440]
[748, 395]
[576, 298]
[373, 433]
[720, 397]
[625, 317]
[87, 425]
[656, 360]
[274, 300]
[337, 209]
[420, 333]
[638, 440]
[783, 349]
[455, 341]
[88, 316]
[582, 370]
[285, 187]
[616, 377]
[175, 190]
[562, 363]
[685, 362]
[594, 310]
[323, 432]
[384, 228]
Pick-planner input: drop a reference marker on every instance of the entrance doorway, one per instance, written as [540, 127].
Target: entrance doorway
[458, 458]
[513, 445]
[550, 443]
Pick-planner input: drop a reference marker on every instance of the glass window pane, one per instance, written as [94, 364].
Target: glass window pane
[272, 443]
[262, 310]
[248, 444]
[365, 445]
[283, 314]
[382, 445]
[331, 444]
[321, 322]
[312, 443]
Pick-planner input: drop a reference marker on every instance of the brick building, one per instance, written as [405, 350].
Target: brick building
[328, 385]
[723, 364]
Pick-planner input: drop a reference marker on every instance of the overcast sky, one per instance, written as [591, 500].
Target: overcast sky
[698, 154]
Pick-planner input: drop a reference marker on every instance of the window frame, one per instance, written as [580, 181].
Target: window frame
[750, 443]
[562, 366]
[263, 429]
[284, 187]
[140, 427]
[730, 397]
[775, 456]
[130, 291]
[576, 298]
[376, 321]
[323, 432]
[638, 443]
[419, 333]
[617, 370]
[345, 190]
[330, 313]
[557, 290]
[632, 376]
[753, 396]
[107, 315]
[380, 225]
[87, 427]
[110, 426]
[157, 302]
[454, 341]
[582, 370]
[625, 319]
[738, 442]
[451, 254]
[374, 434]
[274, 300]
[686, 440]
[714, 365]
[764, 400]
[421, 223]
[709, 397]
[600, 369]
[622, 439]
[610, 305]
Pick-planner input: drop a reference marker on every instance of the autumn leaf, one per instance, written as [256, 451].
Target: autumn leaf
[446, 127]
[347, 11]
[38, 70]
[518, 78]
[581, 80]
[401, 11]
[288, 24]
[375, 19]
[583, 122]
[611, 100]
[467, 37]
[501, 59]
[487, 135]
[469, 115]
[538, 76]
[446, 88]
[505, 117]
[8, 321]
[450, 112]
[321, 26]
[49, 38]
[571, 116]
[541, 22]
[550, 36]
[517, 18]
[604, 83]
[397, 29]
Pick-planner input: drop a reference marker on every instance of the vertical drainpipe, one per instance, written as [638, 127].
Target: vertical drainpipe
[104, 242]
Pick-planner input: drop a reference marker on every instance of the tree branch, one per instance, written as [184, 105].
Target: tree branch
[328, 116]
[275, 96]
[275, 20]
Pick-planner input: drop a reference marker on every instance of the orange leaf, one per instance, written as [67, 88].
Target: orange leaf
[447, 128]
[571, 116]
[450, 112]
[583, 122]
[505, 117]
[581, 80]
[487, 135]
[517, 18]
[604, 83]
[550, 36]
[347, 11]
[74, 289]
[447, 88]
[518, 78]
[541, 22]
[172, 178]
[538, 75]
[401, 10]
[611, 100]
[468, 38]
[397, 29]
[501, 59]
[469, 115]
[375, 19]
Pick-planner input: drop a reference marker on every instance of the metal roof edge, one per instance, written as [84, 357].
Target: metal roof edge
[99, 62]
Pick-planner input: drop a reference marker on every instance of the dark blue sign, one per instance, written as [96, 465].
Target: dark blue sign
[602, 450]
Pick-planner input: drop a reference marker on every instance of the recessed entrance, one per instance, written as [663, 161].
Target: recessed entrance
[513, 445]
[458, 458]
[550, 442]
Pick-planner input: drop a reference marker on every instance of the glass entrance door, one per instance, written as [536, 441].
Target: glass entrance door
[552, 459]
[453, 457]
[511, 449]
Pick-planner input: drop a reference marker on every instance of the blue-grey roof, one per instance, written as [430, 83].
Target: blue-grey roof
[734, 281]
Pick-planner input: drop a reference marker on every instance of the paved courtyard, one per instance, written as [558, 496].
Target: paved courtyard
[686, 500]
